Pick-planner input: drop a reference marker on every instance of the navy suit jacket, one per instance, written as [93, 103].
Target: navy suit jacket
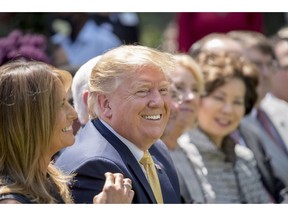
[97, 150]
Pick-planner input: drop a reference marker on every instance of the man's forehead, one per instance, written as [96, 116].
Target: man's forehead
[257, 55]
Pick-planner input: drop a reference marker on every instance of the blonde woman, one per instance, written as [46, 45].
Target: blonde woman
[188, 81]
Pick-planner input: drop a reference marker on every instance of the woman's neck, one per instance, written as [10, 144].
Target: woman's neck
[216, 140]
[170, 143]
[170, 140]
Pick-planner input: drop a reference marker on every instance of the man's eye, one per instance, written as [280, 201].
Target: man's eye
[142, 92]
[164, 90]
[257, 64]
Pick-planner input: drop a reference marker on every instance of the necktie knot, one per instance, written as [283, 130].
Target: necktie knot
[146, 159]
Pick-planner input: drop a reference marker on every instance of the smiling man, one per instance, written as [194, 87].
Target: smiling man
[129, 107]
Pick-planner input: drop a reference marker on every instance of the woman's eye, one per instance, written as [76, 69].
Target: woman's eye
[239, 103]
[64, 102]
[219, 98]
[195, 90]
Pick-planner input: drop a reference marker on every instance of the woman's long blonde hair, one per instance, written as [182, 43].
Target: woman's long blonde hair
[28, 104]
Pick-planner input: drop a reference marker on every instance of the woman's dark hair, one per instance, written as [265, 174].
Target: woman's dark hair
[219, 68]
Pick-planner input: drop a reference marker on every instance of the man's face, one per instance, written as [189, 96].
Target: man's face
[139, 108]
[266, 66]
[280, 79]
[281, 52]
[223, 45]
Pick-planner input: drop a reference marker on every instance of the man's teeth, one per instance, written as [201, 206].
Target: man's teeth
[67, 129]
[152, 117]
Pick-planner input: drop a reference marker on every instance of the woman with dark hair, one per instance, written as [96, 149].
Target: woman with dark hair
[231, 168]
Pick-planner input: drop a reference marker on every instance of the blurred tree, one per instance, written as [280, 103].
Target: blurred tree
[28, 22]
[152, 26]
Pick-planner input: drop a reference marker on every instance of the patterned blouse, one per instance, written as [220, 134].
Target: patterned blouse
[232, 170]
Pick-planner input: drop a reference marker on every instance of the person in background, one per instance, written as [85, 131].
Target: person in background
[83, 40]
[231, 167]
[38, 123]
[250, 134]
[125, 25]
[216, 42]
[128, 103]
[278, 95]
[279, 80]
[79, 91]
[187, 79]
[259, 51]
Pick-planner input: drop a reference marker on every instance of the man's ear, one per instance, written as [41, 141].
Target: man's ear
[85, 98]
[104, 105]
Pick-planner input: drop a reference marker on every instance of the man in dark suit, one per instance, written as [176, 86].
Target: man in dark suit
[129, 106]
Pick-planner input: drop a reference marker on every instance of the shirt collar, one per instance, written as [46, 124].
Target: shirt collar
[138, 153]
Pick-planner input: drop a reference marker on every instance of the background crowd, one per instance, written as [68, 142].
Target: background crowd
[206, 102]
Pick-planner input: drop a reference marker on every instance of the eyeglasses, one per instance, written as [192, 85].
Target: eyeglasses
[270, 65]
[175, 94]
[282, 68]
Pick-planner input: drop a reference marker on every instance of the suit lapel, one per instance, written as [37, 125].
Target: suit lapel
[127, 157]
[278, 114]
[139, 175]
[166, 187]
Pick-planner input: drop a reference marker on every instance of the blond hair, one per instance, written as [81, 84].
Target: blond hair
[117, 64]
[187, 62]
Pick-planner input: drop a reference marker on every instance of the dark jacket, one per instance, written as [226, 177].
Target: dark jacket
[97, 150]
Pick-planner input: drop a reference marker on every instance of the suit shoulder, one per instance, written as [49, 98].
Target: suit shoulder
[160, 147]
[90, 145]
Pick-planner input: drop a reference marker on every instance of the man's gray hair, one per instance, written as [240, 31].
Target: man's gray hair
[80, 85]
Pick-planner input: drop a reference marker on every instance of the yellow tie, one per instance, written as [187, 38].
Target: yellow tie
[149, 166]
